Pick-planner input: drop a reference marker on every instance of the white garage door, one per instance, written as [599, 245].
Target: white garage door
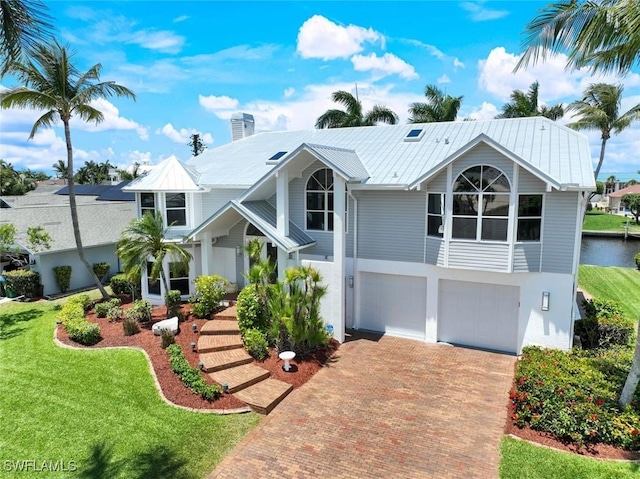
[478, 314]
[393, 304]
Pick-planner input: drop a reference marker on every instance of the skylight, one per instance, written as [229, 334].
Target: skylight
[276, 157]
[414, 135]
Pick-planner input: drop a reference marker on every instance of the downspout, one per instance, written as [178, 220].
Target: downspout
[355, 259]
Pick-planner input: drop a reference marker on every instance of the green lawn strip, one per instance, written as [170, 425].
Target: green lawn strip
[613, 283]
[99, 408]
[599, 221]
[522, 460]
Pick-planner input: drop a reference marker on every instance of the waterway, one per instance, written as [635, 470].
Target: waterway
[609, 251]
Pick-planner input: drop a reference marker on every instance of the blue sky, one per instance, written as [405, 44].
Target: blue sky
[193, 64]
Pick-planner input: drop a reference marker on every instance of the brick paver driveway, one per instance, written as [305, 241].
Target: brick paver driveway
[387, 408]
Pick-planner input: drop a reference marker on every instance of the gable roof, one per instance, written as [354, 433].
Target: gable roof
[629, 189]
[170, 175]
[552, 150]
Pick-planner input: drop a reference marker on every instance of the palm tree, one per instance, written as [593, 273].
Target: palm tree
[353, 115]
[60, 167]
[600, 110]
[526, 104]
[23, 24]
[604, 34]
[439, 107]
[145, 238]
[55, 85]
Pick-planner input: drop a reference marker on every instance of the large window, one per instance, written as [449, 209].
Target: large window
[319, 201]
[176, 207]
[435, 213]
[481, 205]
[179, 278]
[529, 217]
[153, 287]
[147, 203]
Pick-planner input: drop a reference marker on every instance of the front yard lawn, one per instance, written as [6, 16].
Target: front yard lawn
[98, 408]
[601, 221]
[618, 284]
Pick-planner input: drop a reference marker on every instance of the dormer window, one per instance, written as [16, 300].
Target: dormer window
[176, 207]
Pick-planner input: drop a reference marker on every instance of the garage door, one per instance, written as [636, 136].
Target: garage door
[393, 304]
[479, 315]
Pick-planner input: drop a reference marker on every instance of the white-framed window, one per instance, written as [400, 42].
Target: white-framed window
[319, 200]
[147, 203]
[176, 209]
[435, 214]
[179, 278]
[529, 217]
[153, 287]
[481, 205]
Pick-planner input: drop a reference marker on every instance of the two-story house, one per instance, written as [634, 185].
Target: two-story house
[461, 232]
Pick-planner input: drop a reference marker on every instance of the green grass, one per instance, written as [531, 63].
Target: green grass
[97, 408]
[521, 460]
[600, 221]
[614, 283]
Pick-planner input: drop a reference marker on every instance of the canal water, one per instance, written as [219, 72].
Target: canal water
[609, 251]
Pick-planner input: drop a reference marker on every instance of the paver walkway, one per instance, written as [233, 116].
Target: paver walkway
[387, 408]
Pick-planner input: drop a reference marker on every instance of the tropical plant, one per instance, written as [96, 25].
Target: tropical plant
[196, 144]
[60, 168]
[54, 84]
[208, 294]
[37, 240]
[600, 110]
[353, 116]
[145, 238]
[439, 107]
[603, 34]
[524, 105]
[632, 201]
[18, 182]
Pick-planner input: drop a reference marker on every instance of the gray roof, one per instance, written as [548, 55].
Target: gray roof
[545, 146]
[170, 175]
[342, 160]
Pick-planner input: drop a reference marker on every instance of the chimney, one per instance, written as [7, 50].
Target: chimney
[241, 126]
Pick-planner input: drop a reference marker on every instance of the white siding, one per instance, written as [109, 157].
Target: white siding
[435, 251]
[232, 240]
[206, 204]
[483, 155]
[484, 256]
[529, 183]
[559, 231]
[526, 257]
[439, 183]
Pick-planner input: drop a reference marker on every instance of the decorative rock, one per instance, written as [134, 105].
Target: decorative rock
[171, 324]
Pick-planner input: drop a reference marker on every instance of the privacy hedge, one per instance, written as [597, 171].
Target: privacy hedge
[23, 282]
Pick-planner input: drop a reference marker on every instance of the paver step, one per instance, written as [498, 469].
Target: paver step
[228, 313]
[219, 360]
[209, 343]
[240, 377]
[220, 326]
[265, 395]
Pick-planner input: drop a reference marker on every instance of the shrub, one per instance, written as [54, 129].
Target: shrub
[208, 294]
[251, 311]
[190, 376]
[255, 342]
[605, 325]
[114, 313]
[121, 284]
[167, 337]
[636, 258]
[130, 326]
[23, 282]
[79, 329]
[141, 311]
[102, 309]
[63, 277]
[173, 301]
[101, 269]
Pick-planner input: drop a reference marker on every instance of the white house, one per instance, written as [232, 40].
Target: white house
[462, 232]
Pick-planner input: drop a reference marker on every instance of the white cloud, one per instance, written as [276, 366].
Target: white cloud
[319, 37]
[181, 18]
[288, 92]
[479, 13]
[213, 102]
[388, 64]
[444, 79]
[486, 111]
[112, 120]
[183, 135]
[162, 41]
[457, 63]
[436, 52]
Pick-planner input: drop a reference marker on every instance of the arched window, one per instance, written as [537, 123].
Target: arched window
[481, 205]
[319, 200]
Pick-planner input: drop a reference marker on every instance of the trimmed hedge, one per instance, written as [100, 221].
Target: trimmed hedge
[173, 301]
[255, 342]
[23, 282]
[191, 377]
[79, 329]
[252, 312]
[101, 269]
[63, 277]
[121, 284]
[605, 325]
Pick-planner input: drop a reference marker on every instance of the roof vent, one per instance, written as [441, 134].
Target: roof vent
[242, 125]
[275, 158]
[414, 135]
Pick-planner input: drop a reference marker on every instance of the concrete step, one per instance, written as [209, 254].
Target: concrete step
[228, 313]
[240, 377]
[220, 326]
[265, 395]
[210, 343]
[219, 360]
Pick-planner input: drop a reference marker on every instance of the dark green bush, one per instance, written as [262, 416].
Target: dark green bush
[255, 342]
[191, 377]
[114, 313]
[208, 294]
[173, 301]
[23, 282]
[63, 277]
[167, 337]
[130, 326]
[251, 310]
[79, 329]
[604, 326]
[636, 258]
[102, 309]
[141, 311]
[121, 284]
[101, 269]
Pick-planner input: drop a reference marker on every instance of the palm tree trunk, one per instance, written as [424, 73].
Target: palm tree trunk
[74, 212]
[602, 147]
[631, 383]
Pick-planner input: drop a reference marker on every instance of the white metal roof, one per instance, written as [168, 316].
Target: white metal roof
[170, 175]
[550, 148]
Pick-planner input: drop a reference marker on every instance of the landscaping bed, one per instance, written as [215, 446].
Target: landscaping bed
[112, 335]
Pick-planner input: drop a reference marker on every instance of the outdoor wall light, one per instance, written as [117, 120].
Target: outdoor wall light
[351, 281]
[545, 300]
[238, 251]
[193, 346]
[194, 327]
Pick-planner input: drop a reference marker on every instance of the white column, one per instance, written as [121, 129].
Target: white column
[205, 251]
[339, 252]
[283, 262]
[282, 202]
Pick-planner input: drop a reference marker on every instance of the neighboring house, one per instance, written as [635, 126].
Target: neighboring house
[462, 232]
[615, 198]
[101, 223]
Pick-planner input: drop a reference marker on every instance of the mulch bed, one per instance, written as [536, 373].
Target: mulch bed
[113, 335]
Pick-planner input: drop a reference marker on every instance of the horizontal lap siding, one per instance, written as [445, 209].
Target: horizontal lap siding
[435, 251]
[559, 232]
[233, 239]
[207, 204]
[438, 184]
[484, 256]
[391, 225]
[526, 258]
[529, 183]
[483, 155]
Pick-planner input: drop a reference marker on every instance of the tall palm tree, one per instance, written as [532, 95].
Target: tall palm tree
[23, 24]
[353, 115]
[145, 238]
[439, 107]
[603, 34]
[526, 104]
[600, 110]
[60, 167]
[54, 84]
